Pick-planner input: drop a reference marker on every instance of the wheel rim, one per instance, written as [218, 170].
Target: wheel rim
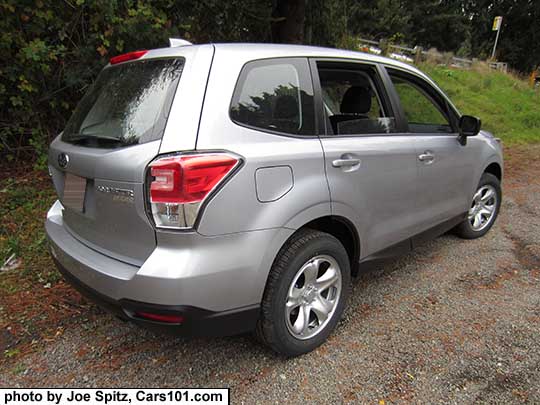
[482, 211]
[313, 297]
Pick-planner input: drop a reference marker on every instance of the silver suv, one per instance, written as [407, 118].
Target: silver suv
[218, 189]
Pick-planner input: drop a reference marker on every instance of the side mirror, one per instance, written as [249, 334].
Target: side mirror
[468, 126]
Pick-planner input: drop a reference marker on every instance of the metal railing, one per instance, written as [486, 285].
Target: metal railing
[417, 54]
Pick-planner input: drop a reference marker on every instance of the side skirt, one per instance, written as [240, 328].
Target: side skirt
[407, 245]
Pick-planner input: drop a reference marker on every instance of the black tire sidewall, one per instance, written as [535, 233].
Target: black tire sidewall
[323, 245]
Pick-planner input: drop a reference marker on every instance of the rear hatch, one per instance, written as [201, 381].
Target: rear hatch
[98, 163]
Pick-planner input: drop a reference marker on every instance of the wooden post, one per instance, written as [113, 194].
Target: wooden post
[417, 54]
[383, 46]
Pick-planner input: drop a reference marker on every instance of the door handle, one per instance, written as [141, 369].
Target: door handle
[346, 162]
[426, 157]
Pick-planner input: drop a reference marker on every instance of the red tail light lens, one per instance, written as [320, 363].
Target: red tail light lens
[187, 179]
[166, 318]
[127, 56]
[180, 183]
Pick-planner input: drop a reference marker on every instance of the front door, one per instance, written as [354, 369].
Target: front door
[444, 165]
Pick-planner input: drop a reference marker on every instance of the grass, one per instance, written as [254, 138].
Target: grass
[34, 302]
[23, 205]
[507, 106]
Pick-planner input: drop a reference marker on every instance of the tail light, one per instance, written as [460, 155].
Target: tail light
[179, 184]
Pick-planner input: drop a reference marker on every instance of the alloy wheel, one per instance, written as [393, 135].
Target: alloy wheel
[482, 211]
[313, 297]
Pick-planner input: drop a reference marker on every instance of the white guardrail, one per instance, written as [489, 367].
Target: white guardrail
[418, 54]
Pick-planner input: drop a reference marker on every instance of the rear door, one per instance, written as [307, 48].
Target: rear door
[370, 163]
[444, 165]
[98, 163]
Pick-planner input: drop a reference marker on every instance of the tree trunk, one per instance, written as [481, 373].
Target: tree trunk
[289, 18]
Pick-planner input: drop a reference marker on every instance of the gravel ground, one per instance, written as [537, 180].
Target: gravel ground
[455, 321]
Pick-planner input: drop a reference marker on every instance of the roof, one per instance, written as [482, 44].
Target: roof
[266, 50]
[306, 51]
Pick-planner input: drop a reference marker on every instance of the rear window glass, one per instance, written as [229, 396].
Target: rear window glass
[128, 104]
[275, 95]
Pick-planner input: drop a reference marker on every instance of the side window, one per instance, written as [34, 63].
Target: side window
[275, 95]
[351, 100]
[423, 113]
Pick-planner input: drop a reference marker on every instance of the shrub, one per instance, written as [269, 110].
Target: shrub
[52, 50]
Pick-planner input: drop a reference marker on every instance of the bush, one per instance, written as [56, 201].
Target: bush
[52, 50]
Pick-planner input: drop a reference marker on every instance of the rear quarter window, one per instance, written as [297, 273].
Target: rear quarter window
[128, 104]
[275, 95]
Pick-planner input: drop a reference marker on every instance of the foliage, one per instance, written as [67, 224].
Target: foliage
[519, 42]
[507, 106]
[23, 204]
[460, 26]
[326, 22]
[379, 18]
[52, 50]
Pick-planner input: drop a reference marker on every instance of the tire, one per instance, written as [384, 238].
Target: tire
[295, 289]
[482, 203]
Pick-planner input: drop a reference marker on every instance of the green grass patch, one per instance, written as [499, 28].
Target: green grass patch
[507, 106]
[11, 352]
[23, 206]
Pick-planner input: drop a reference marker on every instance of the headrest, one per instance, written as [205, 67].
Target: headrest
[356, 100]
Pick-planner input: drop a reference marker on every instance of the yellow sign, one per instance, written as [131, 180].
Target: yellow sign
[497, 23]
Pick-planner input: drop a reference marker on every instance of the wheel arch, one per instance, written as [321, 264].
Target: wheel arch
[338, 226]
[495, 169]
[344, 231]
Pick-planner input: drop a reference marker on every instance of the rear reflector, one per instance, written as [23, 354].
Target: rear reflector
[166, 318]
[127, 56]
[180, 183]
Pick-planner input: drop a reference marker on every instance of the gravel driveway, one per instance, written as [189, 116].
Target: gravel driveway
[455, 321]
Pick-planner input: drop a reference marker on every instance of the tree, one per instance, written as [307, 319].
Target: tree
[288, 21]
[441, 24]
[519, 42]
[326, 22]
[380, 19]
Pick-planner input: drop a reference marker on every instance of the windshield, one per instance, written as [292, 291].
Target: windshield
[128, 104]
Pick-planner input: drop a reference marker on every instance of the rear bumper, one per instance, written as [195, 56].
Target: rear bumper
[215, 283]
[198, 322]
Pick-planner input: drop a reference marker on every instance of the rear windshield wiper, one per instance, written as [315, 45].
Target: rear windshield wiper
[79, 137]
[82, 138]
[103, 139]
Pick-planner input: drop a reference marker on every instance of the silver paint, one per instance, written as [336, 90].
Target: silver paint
[379, 183]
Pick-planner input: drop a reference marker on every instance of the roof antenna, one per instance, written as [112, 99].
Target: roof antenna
[174, 42]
